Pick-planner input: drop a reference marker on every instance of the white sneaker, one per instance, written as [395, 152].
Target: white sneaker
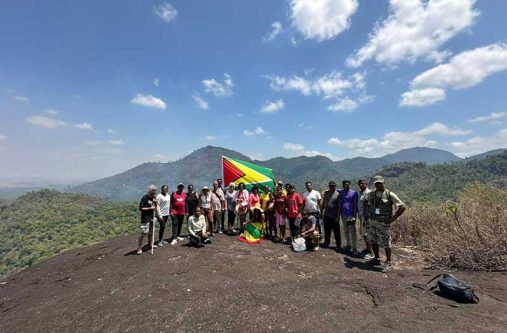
[180, 238]
[174, 242]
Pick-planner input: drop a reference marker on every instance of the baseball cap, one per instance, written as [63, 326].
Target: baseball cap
[378, 179]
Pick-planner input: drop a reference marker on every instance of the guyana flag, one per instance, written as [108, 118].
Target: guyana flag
[252, 233]
[238, 171]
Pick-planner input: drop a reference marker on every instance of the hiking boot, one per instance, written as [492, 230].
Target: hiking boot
[388, 266]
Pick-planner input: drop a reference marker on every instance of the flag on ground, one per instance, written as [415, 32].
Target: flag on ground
[238, 171]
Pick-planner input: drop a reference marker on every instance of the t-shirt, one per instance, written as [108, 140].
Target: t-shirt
[311, 200]
[254, 201]
[205, 201]
[163, 202]
[231, 199]
[178, 203]
[348, 200]
[265, 198]
[220, 194]
[216, 203]
[196, 225]
[280, 204]
[191, 200]
[331, 203]
[146, 215]
[309, 222]
[360, 201]
[292, 203]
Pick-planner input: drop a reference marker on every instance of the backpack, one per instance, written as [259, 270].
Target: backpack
[451, 287]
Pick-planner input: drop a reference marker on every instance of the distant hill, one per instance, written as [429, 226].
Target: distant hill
[41, 224]
[204, 165]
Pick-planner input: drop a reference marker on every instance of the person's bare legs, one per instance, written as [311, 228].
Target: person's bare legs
[388, 254]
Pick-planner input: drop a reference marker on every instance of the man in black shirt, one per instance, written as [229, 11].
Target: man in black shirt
[147, 206]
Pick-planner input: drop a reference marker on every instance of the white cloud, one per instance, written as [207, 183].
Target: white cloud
[464, 70]
[156, 82]
[201, 102]
[295, 147]
[321, 19]
[272, 107]
[311, 153]
[52, 112]
[210, 137]
[166, 12]
[85, 126]
[416, 29]
[477, 145]
[422, 97]
[3, 137]
[149, 101]
[492, 117]
[441, 129]
[115, 142]
[276, 29]
[256, 131]
[212, 86]
[348, 92]
[22, 99]
[334, 141]
[45, 122]
[111, 131]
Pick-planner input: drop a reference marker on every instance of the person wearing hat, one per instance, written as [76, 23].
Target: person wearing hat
[163, 204]
[379, 214]
[329, 210]
[206, 207]
[230, 202]
[178, 212]
[284, 191]
[363, 225]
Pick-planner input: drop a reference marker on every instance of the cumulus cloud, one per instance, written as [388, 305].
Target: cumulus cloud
[464, 70]
[416, 29]
[293, 146]
[477, 145]
[85, 126]
[256, 131]
[348, 92]
[492, 117]
[276, 29]
[298, 149]
[149, 101]
[272, 106]
[219, 89]
[22, 99]
[45, 122]
[441, 129]
[115, 142]
[201, 102]
[165, 11]
[334, 141]
[321, 19]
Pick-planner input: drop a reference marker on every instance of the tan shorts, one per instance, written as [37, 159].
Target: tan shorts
[379, 233]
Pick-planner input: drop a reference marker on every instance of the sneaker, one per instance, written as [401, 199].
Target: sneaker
[180, 238]
[154, 246]
[139, 251]
[160, 244]
[315, 249]
[367, 256]
[388, 266]
[164, 242]
[174, 241]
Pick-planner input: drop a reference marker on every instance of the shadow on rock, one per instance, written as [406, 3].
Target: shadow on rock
[349, 263]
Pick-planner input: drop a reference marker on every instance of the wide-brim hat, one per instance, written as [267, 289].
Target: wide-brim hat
[204, 188]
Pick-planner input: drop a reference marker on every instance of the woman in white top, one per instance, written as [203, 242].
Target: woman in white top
[205, 199]
[163, 202]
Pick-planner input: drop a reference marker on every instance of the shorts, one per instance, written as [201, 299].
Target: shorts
[379, 233]
[280, 219]
[146, 228]
[363, 226]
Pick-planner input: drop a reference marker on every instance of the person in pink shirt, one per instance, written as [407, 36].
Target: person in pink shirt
[254, 201]
[178, 211]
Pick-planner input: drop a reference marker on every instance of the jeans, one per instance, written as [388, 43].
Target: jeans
[350, 232]
[231, 218]
[332, 224]
[177, 222]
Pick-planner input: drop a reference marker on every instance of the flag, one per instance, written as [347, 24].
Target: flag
[252, 233]
[238, 171]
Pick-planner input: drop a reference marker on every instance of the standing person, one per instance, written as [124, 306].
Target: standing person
[312, 200]
[147, 206]
[224, 204]
[279, 201]
[330, 210]
[379, 214]
[216, 204]
[269, 214]
[197, 229]
[206, 207]
[163, 204]
[230, 201]
[293, 208]
[348, 212]
[191, 202]
[363, 226]
[280, 185]
[178, 212]
[219, 221]
[242, 205]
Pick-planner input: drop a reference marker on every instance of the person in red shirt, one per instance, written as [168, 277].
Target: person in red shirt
[279, 201]
[293, 208]
[178, 211]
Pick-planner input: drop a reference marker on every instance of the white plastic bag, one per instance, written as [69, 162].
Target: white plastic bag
[299, 244]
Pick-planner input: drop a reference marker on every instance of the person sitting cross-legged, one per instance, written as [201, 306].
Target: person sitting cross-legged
[197, 229]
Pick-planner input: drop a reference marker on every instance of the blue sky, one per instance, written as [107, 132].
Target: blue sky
[93, 88]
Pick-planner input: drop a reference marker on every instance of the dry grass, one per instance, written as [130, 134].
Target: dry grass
[470, 233]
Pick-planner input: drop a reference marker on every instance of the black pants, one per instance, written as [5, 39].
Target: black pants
[198, 241]
[177, 222]
[294, 229]
[231, 218]
[222, 217]
[332, 224]
[162, 222]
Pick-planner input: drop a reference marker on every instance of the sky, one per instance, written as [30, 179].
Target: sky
[92, 88]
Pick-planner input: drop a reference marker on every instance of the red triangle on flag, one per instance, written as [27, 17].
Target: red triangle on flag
[231, 172]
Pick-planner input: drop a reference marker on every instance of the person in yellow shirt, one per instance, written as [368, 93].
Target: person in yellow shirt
[267, 206]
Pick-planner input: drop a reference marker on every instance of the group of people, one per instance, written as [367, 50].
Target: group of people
[264, 213]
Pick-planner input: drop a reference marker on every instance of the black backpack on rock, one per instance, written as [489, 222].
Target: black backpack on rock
[451, 287]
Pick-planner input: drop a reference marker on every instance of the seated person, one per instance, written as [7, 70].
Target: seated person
[310, 231]
[197, 229]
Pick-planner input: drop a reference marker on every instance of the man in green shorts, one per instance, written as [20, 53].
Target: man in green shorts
[379, 214]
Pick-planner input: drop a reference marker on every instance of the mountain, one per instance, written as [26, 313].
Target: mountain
[204, 165]
[486, 154]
